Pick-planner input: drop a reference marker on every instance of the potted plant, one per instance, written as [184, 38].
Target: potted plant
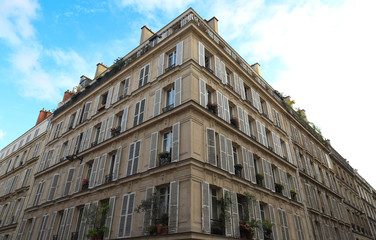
[238, 169]
[213, 107]
[278, 187]
[259, 178]
[267, 226]
[164, 158]
[152, 229]
[293, 194]
[85, 183]
[235, 122]
[96, 218]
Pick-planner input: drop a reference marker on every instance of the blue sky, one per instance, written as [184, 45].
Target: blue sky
[321, 53]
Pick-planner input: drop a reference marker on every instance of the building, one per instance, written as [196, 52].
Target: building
[183, 129]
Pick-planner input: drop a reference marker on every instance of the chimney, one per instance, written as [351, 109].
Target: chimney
[67, 95]
[256, 67]
[100, 69]
[146, 33]
[213, 23]
[42, 116]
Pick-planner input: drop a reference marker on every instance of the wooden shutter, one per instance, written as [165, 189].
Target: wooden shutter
[211, 146]
[109, 126]
[62, 223]
[222, 149]
[153, 150]
[205, 200]
[31, 228]
[115, 173]
[161, 60]
[179, 53]
[20, 182]
[123, 216]
[299, 227]
[272, 220]
[252, 169]
[109, 97]
[10, 213]
[270, 116]
[148, 213]
[124, 119]
[318, 174]
[289, 157]
[242, 89]
[266, 174]
[102, 131]
[66, 123]
[21, 229]
[42, 227]
[295, 183]
[203, 98]
[136, 157]
[43, 161]
[85, 114]
[236, 83]
[226, 109]
[157, 102]
[116, 93]
[82, 141]
[258, 218]
[18, 209]
[52, 224]
[173, 207]
[57, 157]
[201, 54]
[79, 178]
[68, 182]
[177, 88]
[18, 160]
[130, 158]
[27, 176]
[270, 176]
[228, 221]
[95, 107]
[235, 214]
[54, 182]
[315, 230]
[175, 142]
[241, 119]
[128, 225]
[261, 133]
[109, 216]
[325, 178]
[88, 138]
[219, 104]
[230, 156]
[246, 124]
[76, 118]
[93, 174]
[101, 169]
[245, 163]
[217, 63]
[325, 201]
[68, 223]
[126, 87]
[39, 191]
[81, 231]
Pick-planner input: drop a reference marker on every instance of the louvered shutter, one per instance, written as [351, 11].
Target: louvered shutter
[18, 160]
[68, 182]
[157, 102]
[300, 164]
[124, 119]
[18, 210]
[153, 150]
[252, 169]
[179, 53]
[211, 146]
[245, 163]
[161, 60]
[325, 178]
[203, 98]
[57, 157]
[102, 131]
[21, 229]
[241, 119]
[270, 172]
[93, 174]
[68, 223]
[75, 121]
[201, 54]
[4, 214]
[230, 156]
[27, 176]
[173, 207]
[242, 89]
[109, 126]
[175, 142]
[246, 124]
[10, 212]
[81, 231]
[223, 152]
[39, 191]
[220, 104]
[130, 158]
[270, 116]
[79, 178]
[272, 220]
[235, 214]
[258, 218]
[115, 96]
[298, 227]
[177, 88]
[123, 216]
[31, 228]
[148, 212]
[295, 183]
[115, 173]
[67, 121]
[20, 183]
[318, 174]
[205, 213]
[109, 216]
[228, 221]
[86, 113]
[43, 161]
[88, 138]
[77, 145]
[42, 227]
[236, 83]
[136, 157]
[101, 169]
[52, 224]
[141, 112]
[128, 225]
[95, 107]
[315, 230]
[325, 201]
[54, 182]
[217, 64]
[109, 97]
[261, 133]
[289, 157]
[25, 156]
[226, 109]
[266, 174]
[62, 223]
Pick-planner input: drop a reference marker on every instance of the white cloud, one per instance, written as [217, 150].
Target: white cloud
[2, 134]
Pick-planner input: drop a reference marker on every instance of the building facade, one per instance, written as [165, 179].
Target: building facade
[183, 132]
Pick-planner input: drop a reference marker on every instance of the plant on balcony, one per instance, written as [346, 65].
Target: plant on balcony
[164, 158]
[235, 122]
[293, 193]
[259, 178]
[267, 226]
[85, 181]
[96, 217]
[278, 187]
[213, 107]
[247, 228]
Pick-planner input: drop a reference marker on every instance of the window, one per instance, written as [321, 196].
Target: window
[85, 112]
[277, 119]
[228, 78]
[144, 74]
[170, 99]
[171, 61]
[39, 192]
[208, 60]
[167, 142]
[133, 157]
[125, 88]
[139, 112]
[57, 130]
[97, 130]
[164, 193]
[215, 205]
[283, 222]
[261, 134]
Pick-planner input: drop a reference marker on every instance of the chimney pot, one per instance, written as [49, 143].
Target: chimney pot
[257, 68]
[146, 33]
[67, 95]
[42, 116]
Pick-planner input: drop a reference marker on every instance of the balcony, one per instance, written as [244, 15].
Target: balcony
[74, 236]
[101, 107]
[164, 158]
[94, 143]
[208, 68]
[170, 67]
[238, 170]
[108, 178]
[123, 96]
[85, 186]
[168, 108]
[217, 227]
[229, 86]
[115, 131]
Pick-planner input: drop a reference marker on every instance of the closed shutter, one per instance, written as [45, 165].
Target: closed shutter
[20, 183]
[31, 228]
[226, 109]
[223, 152]
[318, 174]
[282, 181]
[18, 210]
[130, 158]
[39, 191]
[136, 158]
[241, 119]
[21, 229]
[43, 161]
[109, 216]
[51, 227]
[230, 156]
[173, 207]
[175, 142]
[76, 118]
[116, 93]
[57, 157]
[161, 60]
[55, 180]
[283, 220]
[85, 114]
[236, 83]
[10, 212]
[295, 183]
[220, 104]
[115, 173]
[109, 97]
[153, 150]
[260, 233]
[228, 221]
[300, 164]
[95, 107]
[235, 214]
[124, 119]
[157, 102]
[109, 126]
[81, 231]
[245, 163]
[277, 144]
[246, 124]
[266, 174]
[123, 216]
[3, 218]
[179, 53]
[66, 123]
[77, 145]
[325, 201]
[203, 99]
[128, 225]
[82, 141]
[289, 157]
[102, 167]
[201, 54]
[93, 174]
[68, 223]
[270, 116]
[211, 146]
[79, 178]
[325, 178]
[25, 157]
[141, 112]
[256, 100]
[42, 227]
[261, 133]
[205, 200]
[148, 212]
[102, 131]
[299, 229]
[35, 150]
[27, 176]
[315, 230]
[217, 64]
[88, 138]
[272, 220]
[252, 168]
[177, 88]
[68, 182]
[287, 185]
[62, 223]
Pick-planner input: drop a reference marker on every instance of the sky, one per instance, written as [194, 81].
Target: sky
[321, 53]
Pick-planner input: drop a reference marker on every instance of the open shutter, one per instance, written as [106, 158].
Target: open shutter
[75, 121]
[93, 174]
[68, 223]
[128, 225]
[81, 231]
[201, 54]
[246, 124]
[18, 160]
[211, 146]
[55, 180]
[18, 210]
[230, 156]
[202, 86]
[62, 223]
[220, 104]
[124, 119]
[136, 157]
[236, 83]
[175, 142]
[42, 227]
[235, 214]
[242, 90]
[217, 65]
[228, 221]
[161, 60]
[115, 173]
[318, 174]
[123, 216]
[20, 182]
[79, 178]
[173, 207]
[68, 182]
[95, 107]
[252, 169]
[110, 214]
[295, 183]
[179, 53]
[109, 97]
[241, 119]
[270, 116]
[116, 93]
[57, 157]
[226, 109]
[10, 212]
[88, 138]
[153, 150]
[66, 123]
[177, 87]
[265, 169]
[102, 131]
[157, 102]
[130, 158]
[272, 220]
[21, 229]
[82, 142]
[85, 114]
[43, 161]
[101, 169]
[222, 149]
[258, 218]
[245, 163]
[148, 213]
[289, 157]
[31, 228]
[205, 200]
[109, 126]
[51, 227]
